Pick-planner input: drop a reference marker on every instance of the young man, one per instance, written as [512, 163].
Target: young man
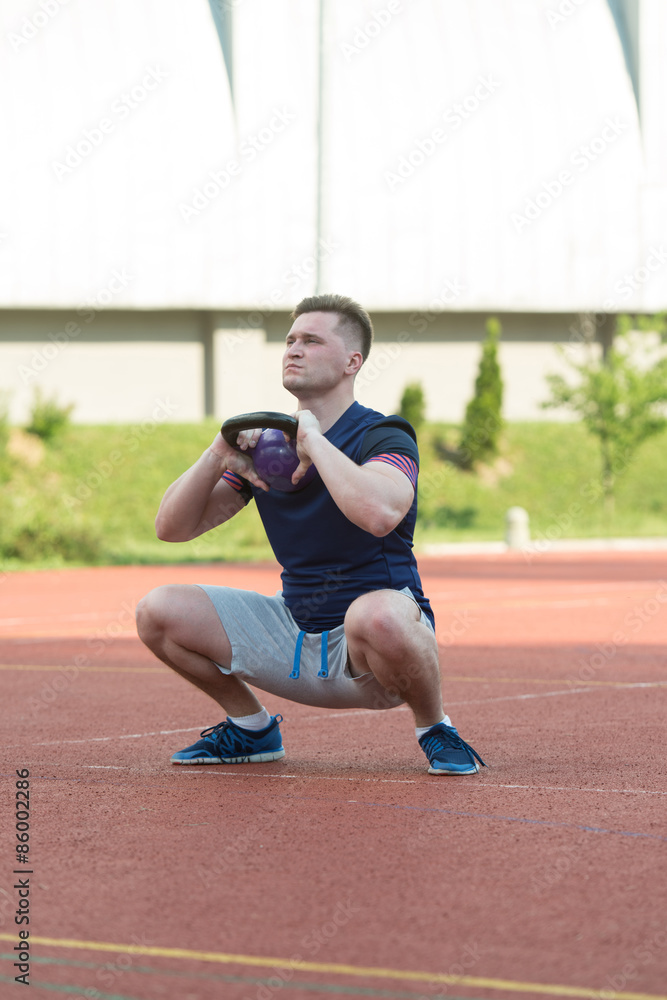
[352, 627]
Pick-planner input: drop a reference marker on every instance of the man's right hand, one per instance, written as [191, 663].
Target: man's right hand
[239, 462]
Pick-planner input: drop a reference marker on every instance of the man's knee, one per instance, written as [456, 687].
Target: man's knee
[382, 618]
[182, 614]
[156, 610]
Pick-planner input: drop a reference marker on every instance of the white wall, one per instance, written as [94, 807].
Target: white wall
[123, 366]
[118, 368]
[138, 199]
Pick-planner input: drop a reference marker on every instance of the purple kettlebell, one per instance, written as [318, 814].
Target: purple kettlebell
[275, 460]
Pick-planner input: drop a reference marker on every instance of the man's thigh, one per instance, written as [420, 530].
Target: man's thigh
[183, 614]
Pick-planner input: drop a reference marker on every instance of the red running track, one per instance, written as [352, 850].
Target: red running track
[345, 869]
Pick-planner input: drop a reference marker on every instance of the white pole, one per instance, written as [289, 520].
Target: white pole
[517, 528]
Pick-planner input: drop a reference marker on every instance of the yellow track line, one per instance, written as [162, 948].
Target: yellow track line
[94, 670]
[340, 970]
[69, 636]
[530, 602]
[574, 682]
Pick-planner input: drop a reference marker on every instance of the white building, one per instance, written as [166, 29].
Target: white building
[163, 211]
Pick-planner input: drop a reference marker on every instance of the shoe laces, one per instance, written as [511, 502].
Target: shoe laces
[224, 735]
[447, 738]
[214, 730]
[227, 736]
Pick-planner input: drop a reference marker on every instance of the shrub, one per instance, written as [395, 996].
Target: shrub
[41, 539]
[621, 397]
[48, 418]
[483, 419]
[4, 423]
[413, 404]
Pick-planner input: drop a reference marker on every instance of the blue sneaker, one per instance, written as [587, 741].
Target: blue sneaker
[448, 753]
[229, 744]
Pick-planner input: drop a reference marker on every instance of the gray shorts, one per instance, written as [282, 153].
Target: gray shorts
[270, 652]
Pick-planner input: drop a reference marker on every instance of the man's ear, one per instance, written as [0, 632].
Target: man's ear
[354, 363]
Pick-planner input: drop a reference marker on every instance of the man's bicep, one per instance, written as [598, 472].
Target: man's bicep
[397, 485]
[391, 452]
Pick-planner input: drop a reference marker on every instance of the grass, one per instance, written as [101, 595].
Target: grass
[553, 471]
[90, 496]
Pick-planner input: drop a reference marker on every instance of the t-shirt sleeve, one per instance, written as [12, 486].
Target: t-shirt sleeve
[239, 484]
[392, 440]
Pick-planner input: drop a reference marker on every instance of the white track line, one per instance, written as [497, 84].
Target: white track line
[524, 697]
[477, 785]
[329, 715]
[311, 777]
[484, 701]
[350, 713]
[106, 739]
[564, 788]
[550, 694]
[213, 770]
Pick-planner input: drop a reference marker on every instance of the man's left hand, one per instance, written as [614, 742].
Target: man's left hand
[309, 426]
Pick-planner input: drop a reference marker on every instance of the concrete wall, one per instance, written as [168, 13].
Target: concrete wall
[116, 368]
[119, 366]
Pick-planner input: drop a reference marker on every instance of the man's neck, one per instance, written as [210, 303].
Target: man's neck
[327, 409]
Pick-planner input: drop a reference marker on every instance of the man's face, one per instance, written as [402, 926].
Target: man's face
[316, 358]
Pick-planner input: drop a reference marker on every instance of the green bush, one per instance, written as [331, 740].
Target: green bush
[4, 436]
[483, 418]
[413, 404]
[41, 540]
[4, 421]
[48, 419]
[35, 527]
[620, 398]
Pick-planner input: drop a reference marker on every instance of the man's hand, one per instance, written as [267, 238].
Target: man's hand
[238, 461]
[309, 427]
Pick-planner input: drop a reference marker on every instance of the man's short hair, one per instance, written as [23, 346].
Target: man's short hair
[351, 316]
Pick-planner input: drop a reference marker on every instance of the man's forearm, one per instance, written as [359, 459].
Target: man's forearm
[184, 505]
[200, 499]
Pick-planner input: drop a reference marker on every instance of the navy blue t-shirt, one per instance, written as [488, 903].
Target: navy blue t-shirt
[327, 560]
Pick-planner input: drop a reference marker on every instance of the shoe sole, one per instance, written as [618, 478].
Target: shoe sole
[253, 758]
[441, 770]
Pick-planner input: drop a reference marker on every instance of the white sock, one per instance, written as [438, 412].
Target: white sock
[260, 720]
[420, 730]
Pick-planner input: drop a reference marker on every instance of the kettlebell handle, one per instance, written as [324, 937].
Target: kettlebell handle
[260, 418]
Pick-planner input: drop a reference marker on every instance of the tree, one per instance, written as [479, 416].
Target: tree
[620, 398]
[483, 418]
[656, 324]
[413, 404]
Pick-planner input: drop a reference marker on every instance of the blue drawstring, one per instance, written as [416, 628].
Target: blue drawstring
[297, 657]
[324, 657]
